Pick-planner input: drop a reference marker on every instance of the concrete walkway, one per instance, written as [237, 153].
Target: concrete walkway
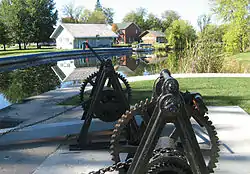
[234, 156]
[39, 107]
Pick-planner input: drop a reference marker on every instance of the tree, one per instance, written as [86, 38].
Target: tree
[73, 13]
[236, 14]
[153, 22]
[98, 6]
[109, 14]
[179, 34]
[67, 20]
[85, 16]
[209, 50]
[137, 17]
[168, 17]
[97, 17]
[203, 21]
[114, 28]
[44, 17]
[4, 39]
[18, 20]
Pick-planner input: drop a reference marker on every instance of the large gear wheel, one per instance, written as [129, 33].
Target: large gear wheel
[110, 107]
[122, 150]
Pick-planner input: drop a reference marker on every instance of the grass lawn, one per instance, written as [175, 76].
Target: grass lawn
[243, 57]
[15, 52]
[215, 91]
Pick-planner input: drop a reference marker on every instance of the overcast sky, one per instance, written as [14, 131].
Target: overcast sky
[188, 9]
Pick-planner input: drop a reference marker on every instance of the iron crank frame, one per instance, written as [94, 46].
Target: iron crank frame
[105, 72]
[170, 108]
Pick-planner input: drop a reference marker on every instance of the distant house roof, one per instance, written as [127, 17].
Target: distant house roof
[155, 33]
[84, 30]
[124, 25]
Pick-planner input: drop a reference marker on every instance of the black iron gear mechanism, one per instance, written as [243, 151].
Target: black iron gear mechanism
[144, 110]
[110, 107]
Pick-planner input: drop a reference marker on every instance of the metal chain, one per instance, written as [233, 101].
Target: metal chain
[37, 122]
[125, 165]
[115, 167]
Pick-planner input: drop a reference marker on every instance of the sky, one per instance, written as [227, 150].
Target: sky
[187, 9]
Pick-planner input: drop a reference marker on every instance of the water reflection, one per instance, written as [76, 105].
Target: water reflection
[23, 83]
[20, 84]
[75, 69]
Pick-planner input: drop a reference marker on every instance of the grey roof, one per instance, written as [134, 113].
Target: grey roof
[123, 25]
[84, 30]
[155, 33]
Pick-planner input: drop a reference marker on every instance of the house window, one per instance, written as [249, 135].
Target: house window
[136, 31]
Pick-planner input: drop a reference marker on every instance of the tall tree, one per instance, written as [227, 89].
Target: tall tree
[44, 17]
[85, 16]
[179, 34]
[109, 14]
[97, 17]
[236, 14]
[4, 37]
[98, 5]
[168, 17]
[153, 22]
[18, 20]
[73, 13]
[138, 17]
[203, 21]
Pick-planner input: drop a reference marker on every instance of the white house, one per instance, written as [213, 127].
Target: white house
[71, 36]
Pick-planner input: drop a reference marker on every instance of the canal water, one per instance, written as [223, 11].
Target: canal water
[17, 85]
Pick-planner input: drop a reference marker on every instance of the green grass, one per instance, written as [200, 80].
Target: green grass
[243, 57]
[15, 52]
[215, 91]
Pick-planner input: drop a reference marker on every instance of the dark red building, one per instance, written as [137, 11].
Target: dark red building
[128, 32]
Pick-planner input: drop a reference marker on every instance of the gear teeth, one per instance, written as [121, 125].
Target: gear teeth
[152, 98]
[120, 121]
[120, 126]
[136, 106]
[210, 170]
[141, 103]
[125, 116]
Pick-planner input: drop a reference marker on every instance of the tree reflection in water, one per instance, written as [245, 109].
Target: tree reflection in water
[20, 84]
